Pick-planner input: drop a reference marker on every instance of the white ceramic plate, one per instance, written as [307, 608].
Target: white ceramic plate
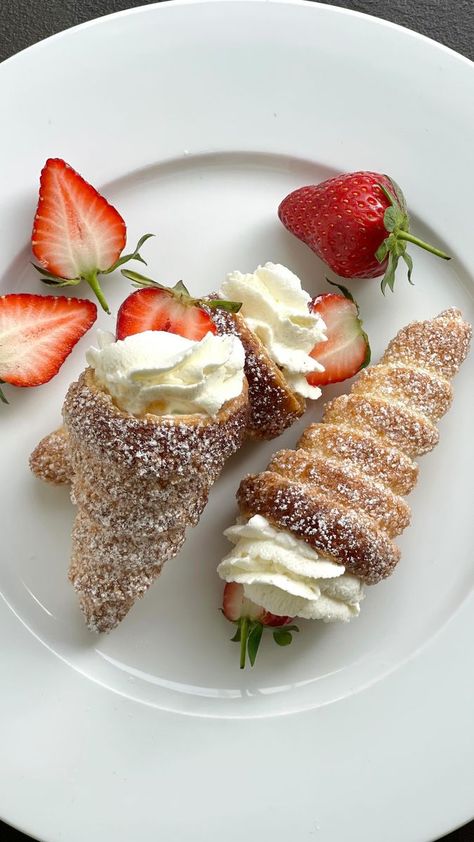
[196, 119]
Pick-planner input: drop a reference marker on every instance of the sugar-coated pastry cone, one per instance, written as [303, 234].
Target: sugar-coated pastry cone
[138, 482]
[274, 405]
[341, 489]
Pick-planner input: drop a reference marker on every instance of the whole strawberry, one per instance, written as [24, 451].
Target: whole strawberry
[357, 223]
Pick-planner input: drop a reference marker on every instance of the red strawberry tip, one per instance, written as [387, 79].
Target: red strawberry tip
[397, 224]
[180, 290]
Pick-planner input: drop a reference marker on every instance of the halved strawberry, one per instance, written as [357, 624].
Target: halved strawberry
[158, 309]
[37, 333]
[172, 309]
[76, 233]
[251, 619]
[347, 348]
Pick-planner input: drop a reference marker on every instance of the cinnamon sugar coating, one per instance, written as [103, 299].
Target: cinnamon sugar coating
[340, 489]
[50, 458]
[137, 483]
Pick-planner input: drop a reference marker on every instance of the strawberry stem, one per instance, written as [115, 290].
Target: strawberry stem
[93, 282]
[244, 631]
[2, 396]
[405, 235]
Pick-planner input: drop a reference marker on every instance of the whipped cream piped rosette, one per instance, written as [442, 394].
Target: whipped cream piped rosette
[318, 525]
[279, 331]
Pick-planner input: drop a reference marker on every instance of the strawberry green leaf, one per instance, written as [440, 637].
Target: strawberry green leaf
[236, 637]
[222, 304]
[388, 279]
[382, 250]
[387, 194]
[59, 283]
[392, 218]
[181, 289]
[283, 637]
[409, 263]
[344, 291]
[398, 193]
[254, 639]
[134, 255]
[397, 223]
[368, 351]
[141, 280]
[244, 633]
[2, 396]
[55, 279]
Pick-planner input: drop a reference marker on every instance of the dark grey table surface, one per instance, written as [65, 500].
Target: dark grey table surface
[23, 22]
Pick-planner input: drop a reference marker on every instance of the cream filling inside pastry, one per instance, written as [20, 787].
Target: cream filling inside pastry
[166, 374]
[275, 307]
[286, 576]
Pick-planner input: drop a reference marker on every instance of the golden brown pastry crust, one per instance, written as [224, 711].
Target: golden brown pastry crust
[362, 450]
[274, 406]
[50, 458]
[345, 485]
[340, 490]
[337, 532]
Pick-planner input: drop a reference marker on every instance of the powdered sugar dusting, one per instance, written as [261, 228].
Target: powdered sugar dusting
[138, 482]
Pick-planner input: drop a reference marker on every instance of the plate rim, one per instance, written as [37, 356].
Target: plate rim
[306, 3]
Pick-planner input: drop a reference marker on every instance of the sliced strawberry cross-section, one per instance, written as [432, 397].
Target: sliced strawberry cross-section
[37, 333]
[251, 619]
[77, 234]
[347, 348]
[158, 309]
[171, 309]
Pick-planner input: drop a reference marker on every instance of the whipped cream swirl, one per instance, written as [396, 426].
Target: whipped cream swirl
[166, 374]
[285, 575]
[275, 307]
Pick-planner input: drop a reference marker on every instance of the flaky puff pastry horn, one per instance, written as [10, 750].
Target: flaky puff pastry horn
[342, 489]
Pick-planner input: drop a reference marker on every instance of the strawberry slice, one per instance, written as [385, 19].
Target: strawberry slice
[171, 309]
[158, 309]
[347, 348]
[251, 619]
[76, 233]
[37, 333]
